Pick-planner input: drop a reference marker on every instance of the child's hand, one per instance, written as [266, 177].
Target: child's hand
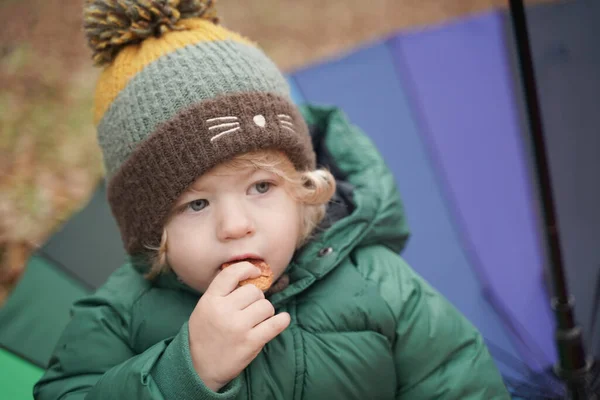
[231, 325]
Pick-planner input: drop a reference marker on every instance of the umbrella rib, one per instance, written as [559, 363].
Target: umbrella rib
[22, 356]
[62, 268]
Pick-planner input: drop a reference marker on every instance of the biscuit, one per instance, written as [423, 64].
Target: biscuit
[264, 281]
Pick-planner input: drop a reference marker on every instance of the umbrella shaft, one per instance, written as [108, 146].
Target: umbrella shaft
[573, 365]
[540, 155]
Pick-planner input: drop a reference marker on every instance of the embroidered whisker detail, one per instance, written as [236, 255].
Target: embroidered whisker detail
[287, 124]
[285, 116]
[224, 133]
[221, 119]
[225, 125]
[289, 129]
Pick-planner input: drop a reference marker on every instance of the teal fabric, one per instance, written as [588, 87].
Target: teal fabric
[176, 81]
[364, 324]
[37, 311]
[88, 246]
[18, 376]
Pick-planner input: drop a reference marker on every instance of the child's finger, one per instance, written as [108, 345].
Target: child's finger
[244, 296]
[258, 312]
[227, 280]
[266, 331]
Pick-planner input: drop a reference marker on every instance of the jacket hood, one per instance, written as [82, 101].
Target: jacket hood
[366, 209]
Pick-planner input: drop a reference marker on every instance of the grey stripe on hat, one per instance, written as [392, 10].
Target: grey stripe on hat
[174, 82]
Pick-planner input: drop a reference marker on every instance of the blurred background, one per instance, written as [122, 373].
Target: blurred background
[49, 160]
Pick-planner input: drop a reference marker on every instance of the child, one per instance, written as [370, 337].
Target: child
[208, 161]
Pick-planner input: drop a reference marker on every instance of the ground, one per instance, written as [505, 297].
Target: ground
[49, 159]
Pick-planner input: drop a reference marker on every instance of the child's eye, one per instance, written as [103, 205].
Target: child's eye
[262, 187]
[198, 205]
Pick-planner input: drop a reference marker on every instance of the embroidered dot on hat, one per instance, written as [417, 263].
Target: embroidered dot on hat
[260, 120]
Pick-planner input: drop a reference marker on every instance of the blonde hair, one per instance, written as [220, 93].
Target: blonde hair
[312, 189]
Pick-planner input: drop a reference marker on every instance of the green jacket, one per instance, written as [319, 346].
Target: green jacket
[364, 324]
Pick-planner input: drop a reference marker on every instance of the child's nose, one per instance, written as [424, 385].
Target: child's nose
[234, 223]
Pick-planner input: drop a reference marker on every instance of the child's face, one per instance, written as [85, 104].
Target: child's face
[227, 214]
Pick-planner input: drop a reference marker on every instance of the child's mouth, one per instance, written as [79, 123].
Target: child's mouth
[244, 257]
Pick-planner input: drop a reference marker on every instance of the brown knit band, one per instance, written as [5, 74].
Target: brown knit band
[142, 191]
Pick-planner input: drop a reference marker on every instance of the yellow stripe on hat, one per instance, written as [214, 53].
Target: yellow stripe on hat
[133, 58]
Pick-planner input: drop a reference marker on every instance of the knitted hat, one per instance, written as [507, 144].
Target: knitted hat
[178, 95]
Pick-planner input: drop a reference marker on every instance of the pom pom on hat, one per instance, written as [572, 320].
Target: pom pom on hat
[111, 25]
